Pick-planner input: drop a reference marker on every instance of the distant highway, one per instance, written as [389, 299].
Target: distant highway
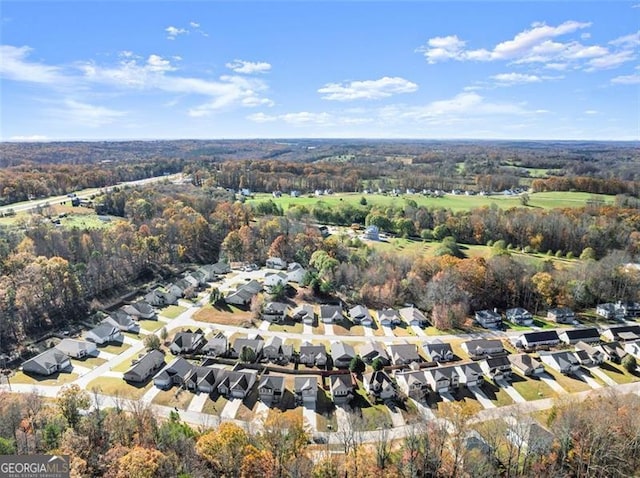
[84, 194]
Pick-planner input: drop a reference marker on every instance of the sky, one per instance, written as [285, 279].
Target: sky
[122, 70]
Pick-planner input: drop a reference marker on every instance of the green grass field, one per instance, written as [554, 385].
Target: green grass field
[151, 325]
[114, 348]
[118, 387]
[172, 311]
[547, 200]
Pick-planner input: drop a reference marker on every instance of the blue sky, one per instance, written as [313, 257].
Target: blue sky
[167, 70]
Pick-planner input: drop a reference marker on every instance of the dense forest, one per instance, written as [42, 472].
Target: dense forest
[129, 440]
[53, 276]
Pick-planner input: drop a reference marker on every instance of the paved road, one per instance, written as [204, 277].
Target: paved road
[84, 194]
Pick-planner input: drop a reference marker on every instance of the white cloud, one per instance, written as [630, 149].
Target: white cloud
[609, 61]
[590, 112]
[28, 138]
[443, 48]
[538, 44]
[631, 40]
[156, 73]
[157, 63]
[633, 79]
[194, 24]
[301, 118]
[174, 32]
[509, 79]
[85, 114]
[248, 67]
[516, 78]
[368, 89]
[15, 66]
[525, 41]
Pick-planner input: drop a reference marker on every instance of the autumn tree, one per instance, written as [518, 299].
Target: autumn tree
[285, 437]
[223, 448]
[71, 400]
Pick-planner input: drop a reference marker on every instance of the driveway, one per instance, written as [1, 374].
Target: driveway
[587, 378]
[328, 329]
[418, 331]
[555, 386]
[231, 408]
[197, 402]
[603, 376]
[309, 415]
[481, 397]
[513, 393]
[388, 331]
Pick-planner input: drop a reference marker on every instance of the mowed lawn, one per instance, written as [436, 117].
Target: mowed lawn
[172, 311]
[118, 387]
[547, 200]
[51, 380]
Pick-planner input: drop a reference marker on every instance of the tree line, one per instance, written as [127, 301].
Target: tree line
[129, 439]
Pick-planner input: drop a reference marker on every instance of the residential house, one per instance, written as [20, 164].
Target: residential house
[143, 368]
[305, 390]
[104, 333]
[372, 233]
[304, 313]
[177, 372]
[240, 344]
[243, 294]
[330, 314]
[276, 263]
[187, 342]
[497, 368]
[237, 384]
[217, 345]
[140, 310]
[530, 340]
[609, 311]
[271, 389]
[77, 348]
[613, 351]
[379, 384]
[442, 379]
[342, 354]
[47, 363]
[470, 374]
[389, 317]
[633, 348]
[489, 319]
[412, 383]
[479, 348]
[587, 334]
[413, 317]
[204, 379]
[374, 350]
[220, 267]
[275, 279]
[313, 355]
[622, 333]
[519, 316]
[208, 272]
[341, 387]
[179, 287]
[530, 435]
[296, 273]
[438, 351]
[561, 315]
[562, 361]
[526, 364]
[628, 308]
[588, 354]
[360, 315]
[275, 312]
[122, 320]
[160, 298]
[403, 354]
[276, 351]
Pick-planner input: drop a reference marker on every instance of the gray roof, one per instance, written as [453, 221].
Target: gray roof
[340, 349]
[301, 383]
[71, 346]
[104, 330]
[147, 364]
[41, 363]
[331, 311]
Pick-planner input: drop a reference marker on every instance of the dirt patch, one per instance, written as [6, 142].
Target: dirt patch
[227, 316]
